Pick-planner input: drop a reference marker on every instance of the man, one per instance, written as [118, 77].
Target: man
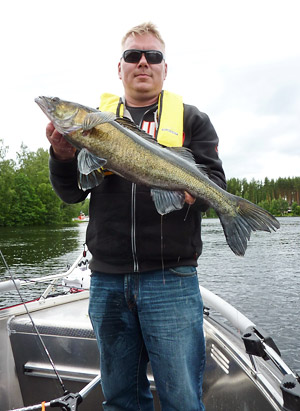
[145, 302]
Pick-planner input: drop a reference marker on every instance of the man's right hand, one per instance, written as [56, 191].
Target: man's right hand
[61, 148]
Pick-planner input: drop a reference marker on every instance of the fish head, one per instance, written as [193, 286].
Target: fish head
[65, 115]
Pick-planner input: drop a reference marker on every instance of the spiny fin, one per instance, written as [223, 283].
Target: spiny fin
[167, 201]
[92, 120]
[183, 152]
[91, 180]
[249, 217]
[127, 123]
[88, 162]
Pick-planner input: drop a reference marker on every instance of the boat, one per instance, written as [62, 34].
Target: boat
[82, 218]
[49, 355]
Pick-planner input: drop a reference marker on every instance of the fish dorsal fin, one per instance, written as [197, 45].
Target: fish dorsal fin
[183, 152]
[92, 120]
[167, 201]
[88, 162]
[130, 125]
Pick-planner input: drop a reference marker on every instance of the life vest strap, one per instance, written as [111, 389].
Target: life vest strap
[170, 116]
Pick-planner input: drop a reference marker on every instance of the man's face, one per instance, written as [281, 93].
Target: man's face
[142, 81]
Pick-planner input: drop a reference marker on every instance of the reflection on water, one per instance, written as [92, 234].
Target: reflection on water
[34, 245]
[264, 285]
[38, 251]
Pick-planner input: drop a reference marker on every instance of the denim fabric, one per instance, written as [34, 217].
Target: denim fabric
[156, 316]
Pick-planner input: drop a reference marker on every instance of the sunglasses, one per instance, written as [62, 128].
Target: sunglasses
[135, 55]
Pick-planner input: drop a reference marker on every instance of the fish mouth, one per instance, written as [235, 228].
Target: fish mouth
[44, 104]
[48, 105]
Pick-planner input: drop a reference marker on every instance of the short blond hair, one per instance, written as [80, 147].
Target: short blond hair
[141, 29]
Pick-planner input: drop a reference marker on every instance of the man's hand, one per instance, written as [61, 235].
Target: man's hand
[189, 199]
[62, 149]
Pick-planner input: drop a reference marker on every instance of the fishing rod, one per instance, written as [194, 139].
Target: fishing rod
[34, 326]
[68, 402]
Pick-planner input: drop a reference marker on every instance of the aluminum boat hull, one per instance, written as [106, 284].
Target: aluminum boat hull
[233, 380]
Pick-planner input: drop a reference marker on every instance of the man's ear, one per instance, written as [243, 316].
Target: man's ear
[166, 70]
[119, 71]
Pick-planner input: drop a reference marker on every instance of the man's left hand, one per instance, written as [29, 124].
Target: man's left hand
[189, 199]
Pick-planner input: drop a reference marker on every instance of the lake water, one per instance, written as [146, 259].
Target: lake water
[264, 285]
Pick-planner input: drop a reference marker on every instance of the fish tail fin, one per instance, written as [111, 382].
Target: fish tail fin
[248, 217]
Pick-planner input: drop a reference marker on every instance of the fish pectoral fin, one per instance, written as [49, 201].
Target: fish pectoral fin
[91, 180]
[92, 120]
[88, 162]
[89, 171]
[167, 201]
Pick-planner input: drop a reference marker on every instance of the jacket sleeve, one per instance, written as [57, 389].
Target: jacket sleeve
[63, 177]
[202, 139]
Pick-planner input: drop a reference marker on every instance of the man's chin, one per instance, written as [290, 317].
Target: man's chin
[144, 88]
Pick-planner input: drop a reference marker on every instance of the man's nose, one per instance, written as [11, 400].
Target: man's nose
[143, 61]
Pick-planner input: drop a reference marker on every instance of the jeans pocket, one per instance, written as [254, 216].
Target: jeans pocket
[185, 271]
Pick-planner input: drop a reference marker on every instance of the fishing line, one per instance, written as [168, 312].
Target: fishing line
[187, 211]
[162, 242]
[34, 326]
[162, 248]
[55, 285]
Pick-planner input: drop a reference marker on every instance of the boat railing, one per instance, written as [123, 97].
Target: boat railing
[258, 344]
[12, 284]
[235, 317]
[256, 341]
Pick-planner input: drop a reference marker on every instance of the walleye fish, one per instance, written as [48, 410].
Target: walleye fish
[118, 144]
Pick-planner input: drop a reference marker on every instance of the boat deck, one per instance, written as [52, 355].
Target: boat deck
[236, 377]
[229, 383]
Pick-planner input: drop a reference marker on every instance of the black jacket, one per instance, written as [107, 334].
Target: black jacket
[125, 232]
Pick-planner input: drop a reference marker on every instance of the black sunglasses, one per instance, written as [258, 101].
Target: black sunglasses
[135, 55]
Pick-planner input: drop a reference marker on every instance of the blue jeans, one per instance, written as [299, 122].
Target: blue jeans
[156, 316]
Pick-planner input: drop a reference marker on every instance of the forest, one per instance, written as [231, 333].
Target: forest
[27, 197]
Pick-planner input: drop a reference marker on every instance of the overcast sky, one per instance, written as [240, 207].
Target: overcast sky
[238, 61]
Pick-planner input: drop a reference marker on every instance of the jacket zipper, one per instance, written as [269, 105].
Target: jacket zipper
[133, 213]
[133, 229]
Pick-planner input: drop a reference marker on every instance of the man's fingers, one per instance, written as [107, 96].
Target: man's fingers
[189, 199]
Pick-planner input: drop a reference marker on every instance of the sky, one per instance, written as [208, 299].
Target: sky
[238, 61]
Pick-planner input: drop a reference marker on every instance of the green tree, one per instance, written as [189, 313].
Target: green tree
[295, 209]
[234, 186]
[27, 208]
[279, 207]
[7, 187]
[26, 194]
[51, 203]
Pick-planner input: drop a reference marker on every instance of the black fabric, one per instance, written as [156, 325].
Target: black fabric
[118, 210]
[137, 113]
